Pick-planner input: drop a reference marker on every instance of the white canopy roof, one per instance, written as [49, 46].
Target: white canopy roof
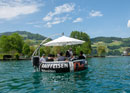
[61, 41]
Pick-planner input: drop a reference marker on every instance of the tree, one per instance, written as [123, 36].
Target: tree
[86, 47]
[47, 50]
[56, 49]
[4, 43]
[101, 50]
[114, 52]
[32, 49]
[13, 42]
[42, 51]
[26, 49]
[16, 42]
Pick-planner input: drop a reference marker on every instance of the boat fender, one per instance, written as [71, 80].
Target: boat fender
[36, 61]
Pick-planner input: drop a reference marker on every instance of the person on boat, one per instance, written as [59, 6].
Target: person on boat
[70, 52]
[67, 54]
[81, 55]
[61, 57]
[50, 58]
[74, 57]
[43, 58]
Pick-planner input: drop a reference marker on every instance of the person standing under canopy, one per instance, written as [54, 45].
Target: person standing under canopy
[71, 52]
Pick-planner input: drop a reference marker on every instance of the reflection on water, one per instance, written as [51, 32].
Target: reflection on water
[65, 82]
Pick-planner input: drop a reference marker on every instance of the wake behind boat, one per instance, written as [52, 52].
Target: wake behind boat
[59, 66]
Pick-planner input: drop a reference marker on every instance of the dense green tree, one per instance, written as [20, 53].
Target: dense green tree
[101, 50]
[32, 49]
[56, 49]
[16, 42]
[42, 51]
[13, 42]
[86, 47]
[26, 49]
[114, 52]
[5, 44]
[114, 47]
[47, 50]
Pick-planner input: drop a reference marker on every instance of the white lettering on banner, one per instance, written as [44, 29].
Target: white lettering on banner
[54, 65]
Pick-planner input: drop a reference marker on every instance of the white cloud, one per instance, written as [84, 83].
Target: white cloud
[94, 13]
[56, 20]
[65, 8]
[14, 8]
[128, 24]
[78, 20]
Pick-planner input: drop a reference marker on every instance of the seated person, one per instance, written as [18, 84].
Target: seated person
[43, 59]
[73, 57]
[50, 58]
[61, 57]
[81, 55]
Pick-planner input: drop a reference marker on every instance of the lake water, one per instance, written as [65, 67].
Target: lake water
[104, 75]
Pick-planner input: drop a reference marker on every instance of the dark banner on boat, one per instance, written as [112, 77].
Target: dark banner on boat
[55, 67]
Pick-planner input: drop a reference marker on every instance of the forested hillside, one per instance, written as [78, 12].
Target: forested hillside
[113, 45]
[26, 35]
[99, 45]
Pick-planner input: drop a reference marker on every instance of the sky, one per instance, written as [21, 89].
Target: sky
[109, 18]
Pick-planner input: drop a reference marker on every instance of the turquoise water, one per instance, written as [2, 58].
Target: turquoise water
[104, 75]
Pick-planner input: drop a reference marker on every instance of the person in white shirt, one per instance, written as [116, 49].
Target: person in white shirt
[43, 59]
[71, 52]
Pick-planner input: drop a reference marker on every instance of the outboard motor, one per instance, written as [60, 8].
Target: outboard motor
[36, 62]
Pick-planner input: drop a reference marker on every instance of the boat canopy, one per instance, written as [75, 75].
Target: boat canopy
[63, 40]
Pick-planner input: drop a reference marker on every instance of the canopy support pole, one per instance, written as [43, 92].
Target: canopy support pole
[38, 48]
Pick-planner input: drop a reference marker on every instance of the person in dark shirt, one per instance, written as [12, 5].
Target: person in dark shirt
[61, 57]
[50, 58]
[81, 55]
[67, 53]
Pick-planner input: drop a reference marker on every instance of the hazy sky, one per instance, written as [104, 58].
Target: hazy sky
[47, 17]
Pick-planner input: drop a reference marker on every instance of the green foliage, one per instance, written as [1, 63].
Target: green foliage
[12, 42]
[42, 51]
[17, 56]
[105, 39]
[86, 47]
[126, 42]
[114, 52]
[47, 50]
[26, 49]
[26, 35]
[113, 47]
[5, 44]
[56, 49]
[32, 49]
[101, 50]
[1, 56]
[16, 42]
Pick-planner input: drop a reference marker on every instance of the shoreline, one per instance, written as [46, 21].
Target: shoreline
[86, 58]
[14, 59]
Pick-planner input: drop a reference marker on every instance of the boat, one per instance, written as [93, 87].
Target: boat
[58, 66]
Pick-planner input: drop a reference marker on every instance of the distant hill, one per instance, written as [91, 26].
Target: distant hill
[26, 35]
[114, 45]
[106, 39]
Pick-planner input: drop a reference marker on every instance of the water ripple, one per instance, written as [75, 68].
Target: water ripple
[104, 75]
